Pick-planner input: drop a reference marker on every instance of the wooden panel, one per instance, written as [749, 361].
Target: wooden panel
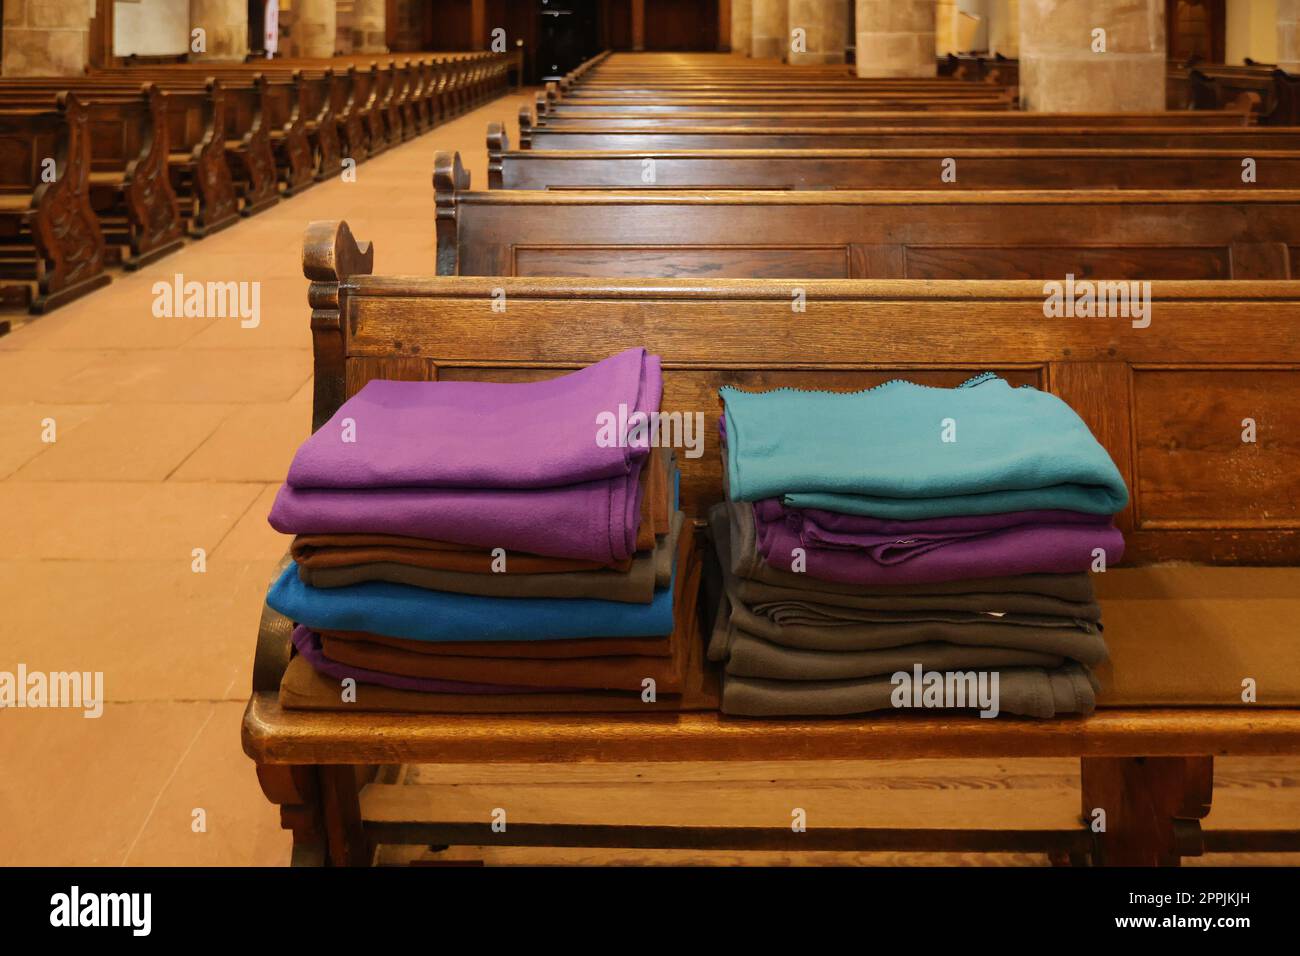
[793, 262]
[1021, 262]
[681, 24]
[1194, 470]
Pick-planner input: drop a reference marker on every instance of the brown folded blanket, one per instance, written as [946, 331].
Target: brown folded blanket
[304, 688]
[591, 673]
[660, 646]
[650, 570]
[315, 551]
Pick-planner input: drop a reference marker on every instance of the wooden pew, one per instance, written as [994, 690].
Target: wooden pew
[130, 189]
[922, 234]
[1150, 768]
[619, 138]
[49, 235]
[567, 117]
[885, 169]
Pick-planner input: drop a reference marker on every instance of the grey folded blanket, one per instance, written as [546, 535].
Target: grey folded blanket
[1028, 691]
[649, 571]
[810, 626]
[794, 653]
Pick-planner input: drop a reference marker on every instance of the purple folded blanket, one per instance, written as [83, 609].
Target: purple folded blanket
[524, 467]
[872, 552]
[486, 434]
[308, 645]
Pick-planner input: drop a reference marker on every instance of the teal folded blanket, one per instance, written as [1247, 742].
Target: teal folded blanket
[882, 452]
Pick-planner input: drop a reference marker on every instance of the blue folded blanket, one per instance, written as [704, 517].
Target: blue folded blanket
[398, 610]
[881, 452]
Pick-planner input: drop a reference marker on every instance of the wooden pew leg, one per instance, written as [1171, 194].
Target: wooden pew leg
[1152, 805]
[320, 806]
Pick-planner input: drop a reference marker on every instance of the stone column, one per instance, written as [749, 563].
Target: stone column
[1062, 64]
[742, 26]
[368, 26]
[314, 24]
[225, 29]
[1288, 35]
[46, 37]
[896, 38]
[769, 34]
[826, 30]
[1004, 28]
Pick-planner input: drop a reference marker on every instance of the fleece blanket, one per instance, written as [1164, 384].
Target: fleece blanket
[532, 650]
[908, 451]
[398, 610]
[885, 558]
[1067, 596]
[1025, 691]
[480, 435]
[308, 645]
[636, 586]
[754, 657]
[808, 625]
[624, 673]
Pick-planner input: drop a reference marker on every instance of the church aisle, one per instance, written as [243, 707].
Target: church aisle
[171, 435]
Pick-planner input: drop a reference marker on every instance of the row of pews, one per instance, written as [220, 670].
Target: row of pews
[1270, 93]
[120, 166]
[714, 211]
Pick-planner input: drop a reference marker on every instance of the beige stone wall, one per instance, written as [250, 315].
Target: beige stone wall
[225, 23]
[769, 34]
[1288, 35]
[1059, 72]
[46, 37]
[895, 38]
[368, 26]
[945, 28]
[315, 25]
[742, 26]
[826, 30]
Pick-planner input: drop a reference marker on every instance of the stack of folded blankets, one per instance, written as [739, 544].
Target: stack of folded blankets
[889, 548]
[493, 548]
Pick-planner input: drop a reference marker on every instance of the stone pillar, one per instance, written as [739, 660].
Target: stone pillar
[1004, 28]
[1288, 35]
[1063, 68]
[826, 30]
[225, 29]
[314, 24]
[368, 26]
[46, 37]
[896, 38]
[742, 26]
[769, 33]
